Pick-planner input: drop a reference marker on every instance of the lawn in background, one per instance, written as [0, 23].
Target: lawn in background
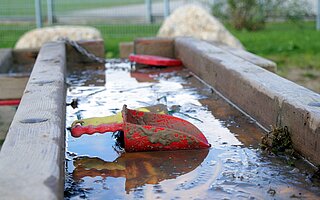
[288, 44]
[21, 8]
[112, 34]
[10, 33]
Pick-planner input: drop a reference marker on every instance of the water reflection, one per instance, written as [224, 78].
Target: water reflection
[142, 167]
[151, 74]
[233, 168]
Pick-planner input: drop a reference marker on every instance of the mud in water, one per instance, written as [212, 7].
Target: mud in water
[233, 168]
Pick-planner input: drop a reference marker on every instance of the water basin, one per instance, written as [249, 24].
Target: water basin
[233, 168]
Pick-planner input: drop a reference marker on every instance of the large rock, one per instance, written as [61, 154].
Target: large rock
[193, 20]
[36, 37]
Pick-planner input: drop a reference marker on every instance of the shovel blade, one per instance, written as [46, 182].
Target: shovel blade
[156, 132]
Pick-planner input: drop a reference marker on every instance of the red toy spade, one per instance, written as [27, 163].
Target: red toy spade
[154, 60]
[146, 131]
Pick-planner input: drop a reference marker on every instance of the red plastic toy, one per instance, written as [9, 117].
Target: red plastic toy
[146, 131]
[154, 60]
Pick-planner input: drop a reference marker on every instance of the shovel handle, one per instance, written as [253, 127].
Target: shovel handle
[79, 130]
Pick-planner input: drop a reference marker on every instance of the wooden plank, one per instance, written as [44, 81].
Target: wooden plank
[255, 59]
[250, 57]
[5, 60]
[155, 46]
[12, 87]
[26, 57]
[267, 97]
[125, 49]
[23, 60]
[32, 156]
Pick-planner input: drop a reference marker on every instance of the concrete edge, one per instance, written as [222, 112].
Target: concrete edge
[32, 156]
[263, 95]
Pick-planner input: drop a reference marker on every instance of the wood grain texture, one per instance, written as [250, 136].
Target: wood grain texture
[32, 156]
[154, 46]
[255, 59]
[250, 57]
[265, 96]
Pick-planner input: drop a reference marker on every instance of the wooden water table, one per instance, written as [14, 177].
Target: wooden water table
[33, 155]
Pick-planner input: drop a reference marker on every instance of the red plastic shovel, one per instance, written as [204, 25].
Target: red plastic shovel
[146, 131]
[154, 60]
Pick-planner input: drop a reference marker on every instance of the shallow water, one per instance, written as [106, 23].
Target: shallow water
[233, 168]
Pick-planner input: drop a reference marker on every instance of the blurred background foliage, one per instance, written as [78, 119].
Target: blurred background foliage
[252, 15]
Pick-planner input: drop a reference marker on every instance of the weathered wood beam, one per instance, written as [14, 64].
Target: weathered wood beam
[250, 57]
[265, 96]
[32, 156]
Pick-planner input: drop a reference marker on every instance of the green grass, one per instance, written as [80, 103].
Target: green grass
[288, 44]
[27, 7]
[10, 33]
[112, 34]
